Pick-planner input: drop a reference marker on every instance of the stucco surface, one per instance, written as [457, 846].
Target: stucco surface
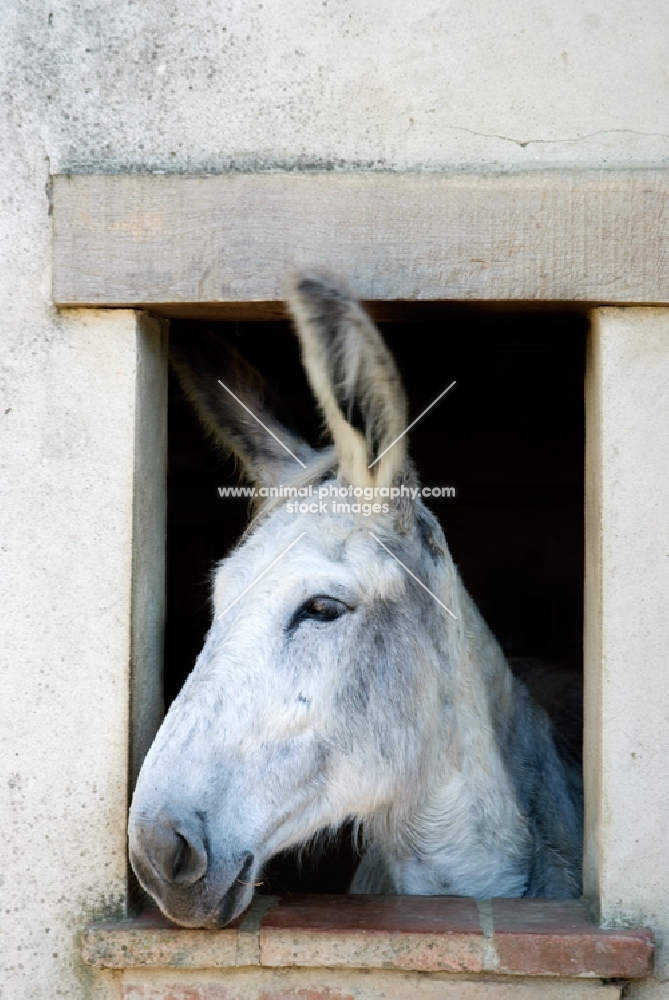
[191, 85]
[628, 797]
[68, 421]
[171, 85]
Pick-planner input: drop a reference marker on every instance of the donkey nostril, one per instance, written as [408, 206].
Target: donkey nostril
[174, 856]
[189, 859]
[180, 859]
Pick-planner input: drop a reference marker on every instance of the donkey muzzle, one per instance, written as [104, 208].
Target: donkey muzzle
[172, 861]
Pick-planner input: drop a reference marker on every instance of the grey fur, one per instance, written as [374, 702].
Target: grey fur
[200, 362]
[389, 712]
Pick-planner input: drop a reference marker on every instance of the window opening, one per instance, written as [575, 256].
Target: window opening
[508, 439]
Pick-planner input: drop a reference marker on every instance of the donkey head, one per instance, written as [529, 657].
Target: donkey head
[315, 698]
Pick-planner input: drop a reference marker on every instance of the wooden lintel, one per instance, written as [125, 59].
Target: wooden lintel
[222, 246]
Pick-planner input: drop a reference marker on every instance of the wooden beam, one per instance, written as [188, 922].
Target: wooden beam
[224, 244]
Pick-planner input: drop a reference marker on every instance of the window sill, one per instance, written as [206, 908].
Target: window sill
[505, 937]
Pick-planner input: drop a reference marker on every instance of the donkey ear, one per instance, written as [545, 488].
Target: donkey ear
[229, 395]
[354, 378]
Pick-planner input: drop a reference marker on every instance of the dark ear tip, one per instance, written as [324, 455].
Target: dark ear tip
[320, 287]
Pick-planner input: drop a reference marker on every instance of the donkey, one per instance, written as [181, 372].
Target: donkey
[347, 674]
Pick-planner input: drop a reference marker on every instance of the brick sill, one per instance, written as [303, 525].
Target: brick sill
[507, 937]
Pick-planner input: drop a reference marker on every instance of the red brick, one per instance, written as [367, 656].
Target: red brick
[408, 914]
[537, 937]
[150, 991]
[153, 941]
[317, 993]
[410, 933]
[430, 933]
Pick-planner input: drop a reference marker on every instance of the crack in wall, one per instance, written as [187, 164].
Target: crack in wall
[550, 142]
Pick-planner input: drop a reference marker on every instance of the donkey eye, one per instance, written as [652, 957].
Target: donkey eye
[325, 607]
[320, 608]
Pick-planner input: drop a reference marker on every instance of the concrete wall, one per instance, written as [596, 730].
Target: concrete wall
[627, 624]
[176, 85]
[187, 85]
[71, 452]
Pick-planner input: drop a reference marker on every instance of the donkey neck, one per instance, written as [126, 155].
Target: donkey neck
[464, 832]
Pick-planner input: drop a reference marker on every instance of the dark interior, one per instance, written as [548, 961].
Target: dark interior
[509, 437]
